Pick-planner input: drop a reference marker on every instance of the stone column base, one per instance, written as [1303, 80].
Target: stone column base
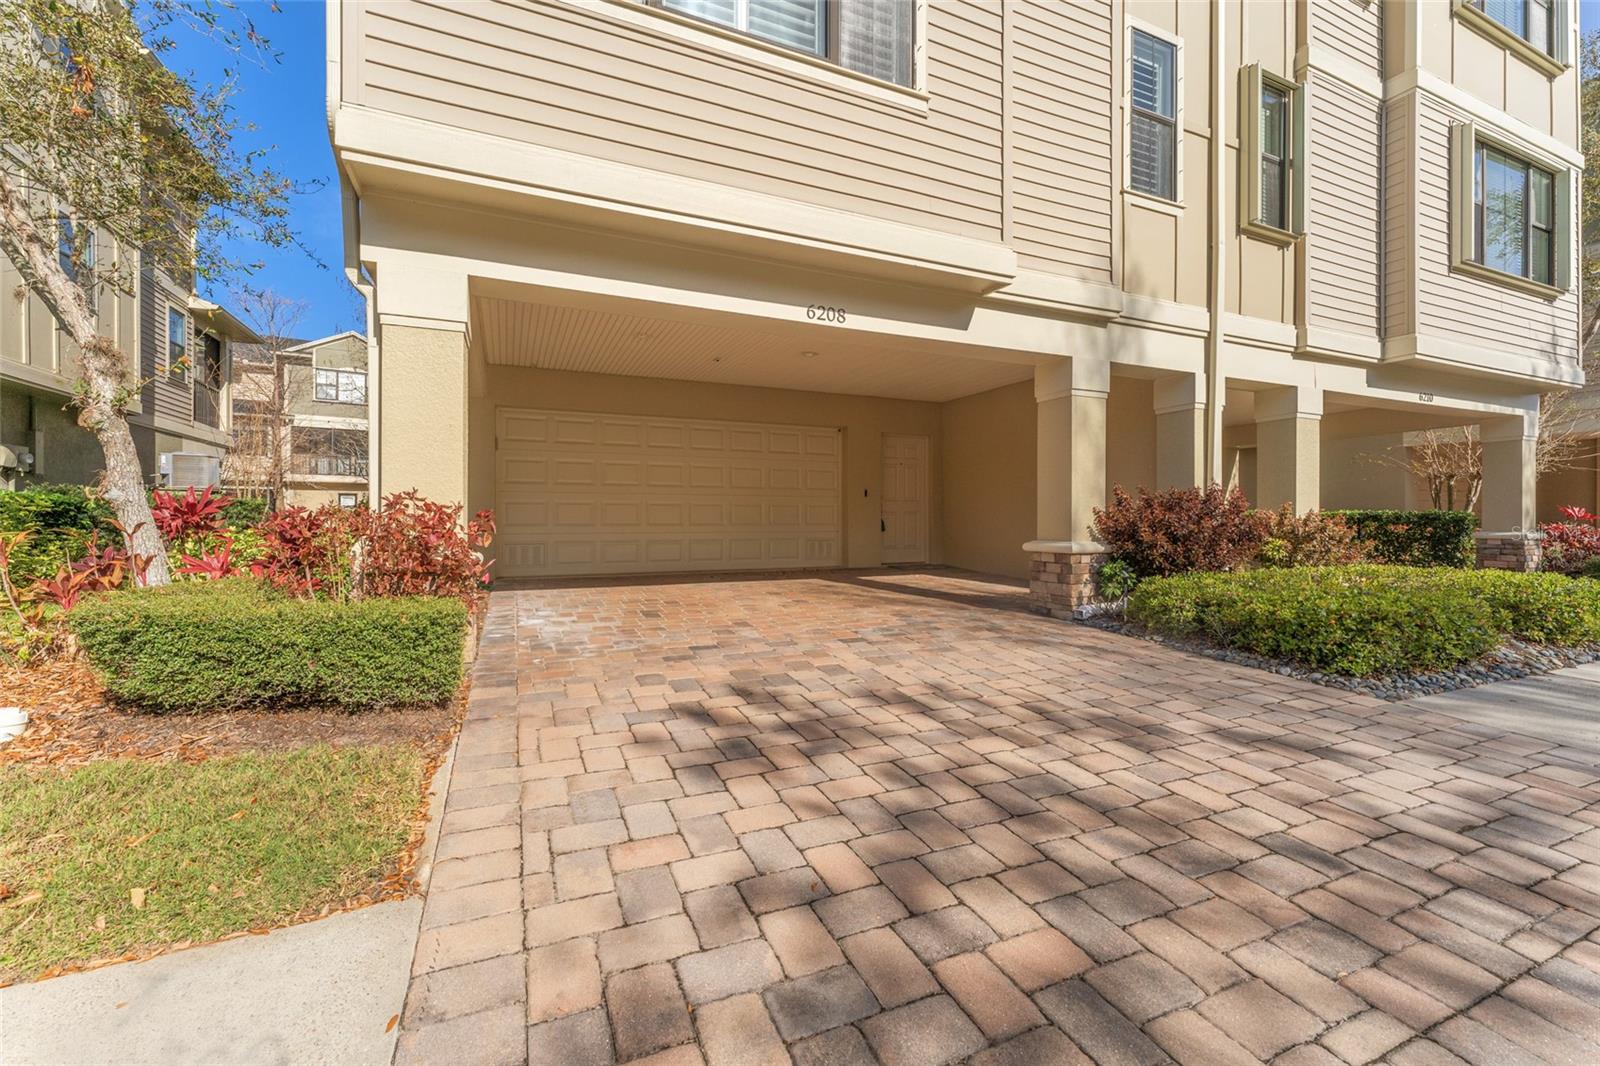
[1509, 551]
[1063, 574]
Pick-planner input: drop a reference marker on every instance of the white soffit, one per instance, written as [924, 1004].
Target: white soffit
[551, 337]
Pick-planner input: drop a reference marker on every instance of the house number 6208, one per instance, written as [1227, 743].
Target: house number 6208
[824, 313]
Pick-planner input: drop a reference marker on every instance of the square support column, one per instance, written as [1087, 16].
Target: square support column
[1510, 538]
[1180, 405]
[1289, 448]
[422, 409]
[1071, 396]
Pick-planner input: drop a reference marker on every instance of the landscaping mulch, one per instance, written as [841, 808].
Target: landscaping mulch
[71, 723]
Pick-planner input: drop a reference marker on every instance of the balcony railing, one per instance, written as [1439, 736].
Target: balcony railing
[330, 466]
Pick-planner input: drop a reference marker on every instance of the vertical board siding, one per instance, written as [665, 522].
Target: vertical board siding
[1467, 309]
[1399, 238]
[577, 78]
[1342, 241]
[1061, 187]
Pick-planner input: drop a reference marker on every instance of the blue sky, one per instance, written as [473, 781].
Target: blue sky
[285, 100]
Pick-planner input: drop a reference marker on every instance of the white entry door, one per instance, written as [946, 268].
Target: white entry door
[905, 499]
[580, 494]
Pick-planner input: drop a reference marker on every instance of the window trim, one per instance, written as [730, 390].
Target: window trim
[339, 373]
[1465, 137]
[1551, 64]
[1134, 25]
[1252, 79]
[178, 368]
[719, 41]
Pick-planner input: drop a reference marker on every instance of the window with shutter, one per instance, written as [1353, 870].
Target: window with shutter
[1153, 125]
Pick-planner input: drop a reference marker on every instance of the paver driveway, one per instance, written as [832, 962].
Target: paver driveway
[895, 817]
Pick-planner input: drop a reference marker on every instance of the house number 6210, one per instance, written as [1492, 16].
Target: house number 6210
[824, 313]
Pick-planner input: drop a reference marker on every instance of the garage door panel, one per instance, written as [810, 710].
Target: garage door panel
[597, 494]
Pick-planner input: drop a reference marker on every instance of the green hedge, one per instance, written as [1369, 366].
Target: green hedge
[1415, 538]
[61, 519]
[221, 644]
[1364, 620]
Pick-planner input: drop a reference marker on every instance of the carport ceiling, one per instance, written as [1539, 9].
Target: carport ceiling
[553, 337]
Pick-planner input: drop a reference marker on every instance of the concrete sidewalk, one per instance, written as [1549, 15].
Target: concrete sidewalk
[1562, 707]
[322, 992]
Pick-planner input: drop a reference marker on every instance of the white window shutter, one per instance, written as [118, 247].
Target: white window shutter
[1565, 180]
[1300, 157]
[1463, 143]
[1250, 144]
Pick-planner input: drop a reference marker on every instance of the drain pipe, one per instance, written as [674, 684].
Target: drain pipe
[1217, 247]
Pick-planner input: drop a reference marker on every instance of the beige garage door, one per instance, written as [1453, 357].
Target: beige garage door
[623, 494]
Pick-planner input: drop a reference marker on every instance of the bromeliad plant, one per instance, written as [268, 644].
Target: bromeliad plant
[34, 609]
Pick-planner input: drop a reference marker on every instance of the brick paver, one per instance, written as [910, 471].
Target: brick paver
[896, 818]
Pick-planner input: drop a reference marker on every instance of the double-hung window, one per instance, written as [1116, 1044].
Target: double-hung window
[1153, 115]
[177, 341]
[871, 37]
[1532, 20]
[1511, 213]
[1272, 132]
[341, 386]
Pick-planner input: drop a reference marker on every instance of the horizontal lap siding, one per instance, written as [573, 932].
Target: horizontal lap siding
[1399, 240]
[1343, 228]
[576, 78]
[1468, 309]
[1061, 124]
[1351, 28]
[169, 397]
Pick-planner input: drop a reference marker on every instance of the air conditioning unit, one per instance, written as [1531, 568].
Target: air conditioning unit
[182, 470]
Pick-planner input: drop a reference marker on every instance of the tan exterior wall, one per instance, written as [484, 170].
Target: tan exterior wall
[864, 420]
[1131, 434]
[1576, 486]
[1354, 475]
[599, 80]
[989, 478]
[423, 416]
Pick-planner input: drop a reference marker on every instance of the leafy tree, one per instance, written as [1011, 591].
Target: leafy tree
[102, 144]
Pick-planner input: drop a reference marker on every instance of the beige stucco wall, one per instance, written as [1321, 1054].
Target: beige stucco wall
[1577, 485]
[989, 470]
[1354, 474]
[864, 420]
[1130, 434]
[423, 413]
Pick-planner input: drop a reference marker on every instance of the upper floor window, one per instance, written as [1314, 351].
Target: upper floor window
[75, 252]
[1513, 213]
[1532, 20]
[1271, 155]
[872, 37]
[1153, 116]
[177, 341]
[341, 386]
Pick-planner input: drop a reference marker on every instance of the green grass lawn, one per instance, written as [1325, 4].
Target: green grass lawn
[123, 855]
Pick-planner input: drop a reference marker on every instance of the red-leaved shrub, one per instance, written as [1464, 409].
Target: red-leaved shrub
[409, 546]
[1570, 545]
[181, 517]
[1178, 530]
[1316, 538]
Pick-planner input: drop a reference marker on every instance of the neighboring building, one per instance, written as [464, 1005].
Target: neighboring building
[180, 347]
[322, 412]
[810, 284]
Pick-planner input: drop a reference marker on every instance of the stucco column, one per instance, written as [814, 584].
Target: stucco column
[1071, 396]
[1289, 448]
[422, 408]
[1510, 538]
[1180, 404]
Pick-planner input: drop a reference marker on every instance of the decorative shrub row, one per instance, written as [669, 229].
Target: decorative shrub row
[62, 518]
[1415, 538]
[233, 643]
[1365, 620]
